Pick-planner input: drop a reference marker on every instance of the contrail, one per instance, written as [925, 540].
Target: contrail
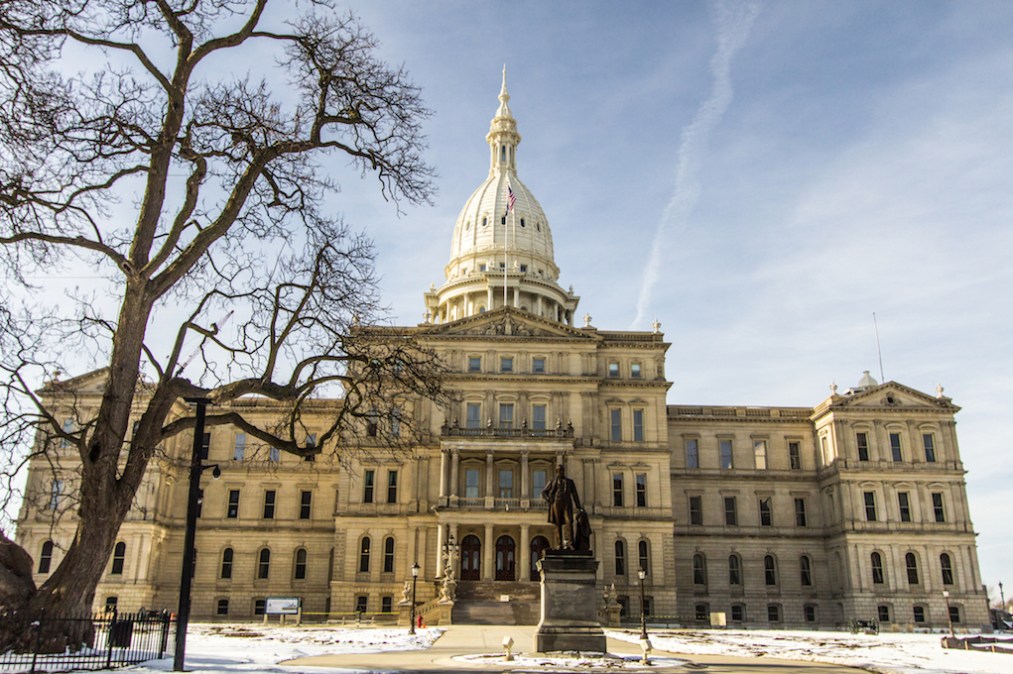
[733, 22]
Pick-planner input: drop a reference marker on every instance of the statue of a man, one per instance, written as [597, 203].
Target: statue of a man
[561, 495]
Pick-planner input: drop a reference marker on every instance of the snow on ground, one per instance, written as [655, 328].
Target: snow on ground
[215, 648]
[887, 653]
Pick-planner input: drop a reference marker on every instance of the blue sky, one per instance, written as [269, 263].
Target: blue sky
[800, 165]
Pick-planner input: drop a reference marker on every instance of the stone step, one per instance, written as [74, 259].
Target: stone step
[485, 612]
[493, 590]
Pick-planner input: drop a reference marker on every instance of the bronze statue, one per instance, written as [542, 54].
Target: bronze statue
[562, 498]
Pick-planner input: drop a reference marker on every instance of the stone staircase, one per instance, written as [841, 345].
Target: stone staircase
[481, 603]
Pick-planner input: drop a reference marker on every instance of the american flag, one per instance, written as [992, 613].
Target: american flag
[511, 199]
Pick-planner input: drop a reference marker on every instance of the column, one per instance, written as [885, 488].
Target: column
[488, 554]
[490, 493]
[443, 475]
[524, 561]
[525, 481]
[488, 298]
[455, 461]
[440, 542]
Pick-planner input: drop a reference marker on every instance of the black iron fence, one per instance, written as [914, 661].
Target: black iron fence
[115, 639]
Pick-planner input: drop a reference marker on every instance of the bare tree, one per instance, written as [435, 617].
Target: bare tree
[197, 195]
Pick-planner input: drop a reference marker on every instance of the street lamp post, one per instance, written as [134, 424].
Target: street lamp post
[186, 575]
[643, 613]
[415, 580]
[1002, 597]
[949, 616]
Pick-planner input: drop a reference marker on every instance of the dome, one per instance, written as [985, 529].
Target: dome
[495, 245]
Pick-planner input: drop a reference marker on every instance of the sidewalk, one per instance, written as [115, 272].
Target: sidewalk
[463, 640]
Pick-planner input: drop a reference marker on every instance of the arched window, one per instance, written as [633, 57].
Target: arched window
[119, 557]
[805, 570]
[46, 557]
[299, 569]
[620, 557]
[643, 548]
[734, 570]
[877, 568]
[364, 555]
[699, 569]
[388, 555]
[946, 566]
[264, 564]
[769, 570]
[911, 562]
[227, 563]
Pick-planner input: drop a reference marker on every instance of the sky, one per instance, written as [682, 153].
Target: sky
[761, 178]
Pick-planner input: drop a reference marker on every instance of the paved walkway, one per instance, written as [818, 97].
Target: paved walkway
[463, 640]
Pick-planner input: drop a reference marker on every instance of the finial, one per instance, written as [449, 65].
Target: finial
[833, 388]
[656, 325]
[939, 390]
[587, 320]
[503, 89]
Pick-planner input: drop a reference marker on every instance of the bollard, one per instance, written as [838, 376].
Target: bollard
[645, 646]
[508, 643]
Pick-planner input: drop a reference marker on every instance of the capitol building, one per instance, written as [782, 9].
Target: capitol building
[853, 508]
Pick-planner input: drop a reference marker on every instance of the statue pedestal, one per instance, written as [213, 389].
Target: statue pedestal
[569, 603]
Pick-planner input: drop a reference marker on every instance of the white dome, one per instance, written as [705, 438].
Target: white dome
[501, 257]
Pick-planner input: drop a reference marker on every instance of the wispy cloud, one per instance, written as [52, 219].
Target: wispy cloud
[733, 22]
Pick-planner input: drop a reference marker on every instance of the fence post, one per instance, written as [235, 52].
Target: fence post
[165, 635]
[38, 638]
[109, 640]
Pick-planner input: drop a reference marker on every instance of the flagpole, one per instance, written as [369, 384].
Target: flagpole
[506, 259]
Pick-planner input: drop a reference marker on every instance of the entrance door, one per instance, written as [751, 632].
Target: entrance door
[471, 555]
[505, 548]
[539, 544]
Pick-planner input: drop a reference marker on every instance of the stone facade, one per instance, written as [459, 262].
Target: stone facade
[775, 516]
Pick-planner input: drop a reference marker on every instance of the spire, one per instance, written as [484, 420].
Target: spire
[503, 137]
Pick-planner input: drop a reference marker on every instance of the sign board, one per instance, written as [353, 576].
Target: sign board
[282, 606]
[719, 619]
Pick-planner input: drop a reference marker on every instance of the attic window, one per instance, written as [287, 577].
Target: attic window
[538, 226]
[481, 267]
[522, 222]
[890, 400]
[524, 267]
[502, 220]
[485, 221]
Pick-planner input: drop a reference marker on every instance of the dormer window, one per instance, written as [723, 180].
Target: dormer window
[481, 267]
[524, 268]
[485, 221]
[522, 222]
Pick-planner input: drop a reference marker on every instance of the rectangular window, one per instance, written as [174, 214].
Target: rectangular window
[474, 415]
[919, 614]
[696, 511]
[929, 442]
[870, 506]
[795, 454]
[506, 364]
[259, 606]
[239, 448]
[810, 613]
[539, 478]
[760, 454]
[538, 365]
[311, 442]
[269, 498]
[617, 489]
[738, 613]
[55, 494]
[471, 483]
[506, 483]
[954, 614]
[635, 371]
[386, 604]
[766, 515]
[223, 607]
[883, 613]
[361, 603]
[773, 613]
[726, 454]
[692, 453]
[233, 509]
[538, 417]
[862, 440]
[506, 415]
[638, 425]
[800, 518]
[904, 501]
[731, 512]
[391, 486]
[274, 454]
[613, 370]
[937, 507]
[474, 363]
[368, 484]
[641, 490]
[895, 447]
[616, 425]
[305, 505]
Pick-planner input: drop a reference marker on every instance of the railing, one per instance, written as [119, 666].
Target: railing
[112, 640]
[489, 431]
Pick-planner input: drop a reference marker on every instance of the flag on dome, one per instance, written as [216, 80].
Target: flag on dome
[511, 198]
